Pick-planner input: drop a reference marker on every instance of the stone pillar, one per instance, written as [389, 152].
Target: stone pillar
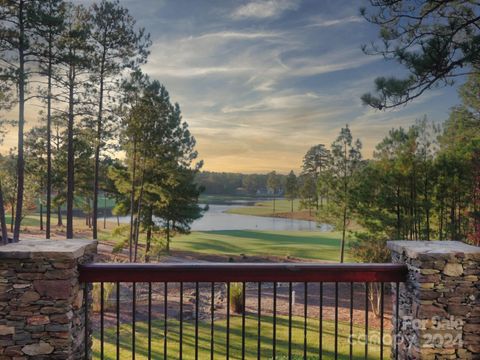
[439, 305]
[41, 300]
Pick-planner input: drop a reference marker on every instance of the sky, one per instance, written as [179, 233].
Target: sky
[261, 81]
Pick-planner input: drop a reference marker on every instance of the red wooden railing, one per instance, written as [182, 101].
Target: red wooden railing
[260, 273]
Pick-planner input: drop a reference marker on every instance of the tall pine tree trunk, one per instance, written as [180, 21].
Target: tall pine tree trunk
[344, 228]
[427, 210]
[98, 147]
[345, 194]
[59, 216]
[70, 154]
[399, 222]
[139, 209]
[41, 216]
[132, 202]
[168, 237]
[3, 223]
[104, 211]
[49, 137]
[12, 219]
[149, 234]
[21, 123]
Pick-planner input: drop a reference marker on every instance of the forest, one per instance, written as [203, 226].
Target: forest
[422, 183]
[102, 126]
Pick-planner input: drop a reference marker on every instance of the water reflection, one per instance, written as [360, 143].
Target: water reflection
[216, 218]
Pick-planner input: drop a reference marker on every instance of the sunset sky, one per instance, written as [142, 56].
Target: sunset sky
[260, 82]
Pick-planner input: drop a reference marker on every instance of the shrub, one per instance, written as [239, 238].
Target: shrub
[96, 292]
[236, 298]
[372, 248]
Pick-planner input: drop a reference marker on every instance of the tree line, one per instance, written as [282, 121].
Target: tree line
[103, 126]
[224, 183]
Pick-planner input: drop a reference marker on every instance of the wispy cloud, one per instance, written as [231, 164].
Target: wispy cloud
[330, 62]
[241, 35]
[191, 72]
[281, 102]
[322, 22]
[261, 9]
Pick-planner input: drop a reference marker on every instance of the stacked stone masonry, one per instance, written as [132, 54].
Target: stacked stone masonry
[41, 299]
[439, 305]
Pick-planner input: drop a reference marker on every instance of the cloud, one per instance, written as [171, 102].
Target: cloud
[236, 35]
[280, 102]
[190, 72]
[330, 62]
[321, 22]
[262, 9]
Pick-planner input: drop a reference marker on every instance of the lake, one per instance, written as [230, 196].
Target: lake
[216, 218]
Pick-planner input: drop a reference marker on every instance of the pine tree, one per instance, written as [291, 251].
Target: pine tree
[436, 41]
[158, 180]
[291, 188]
[74, 60]
[117, 46]
[315, 162]
[17, 23]
[49, 26]
[346, 160]
[273, 184]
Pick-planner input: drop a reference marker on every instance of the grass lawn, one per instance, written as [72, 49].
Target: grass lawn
[302, 244]
[28, 220]
[235, 340]
[219, 199]
[265, 208]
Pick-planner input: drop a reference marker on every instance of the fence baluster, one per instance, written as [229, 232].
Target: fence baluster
[320, 322]
[227, 345]
[165, 310]
[305, 314]
[87, 334]
[382, 293]
[118, 322]
[149, 320]
[212, 325]
[274, 340]
[397, 316]
[180, 354]
[244, 302]
[259, 324]
[134, 301]
[289, 320]
[102, 312]
[351, 322]
[197, 295]
[366, 321]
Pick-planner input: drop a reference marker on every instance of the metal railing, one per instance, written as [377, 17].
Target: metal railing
[268, 285]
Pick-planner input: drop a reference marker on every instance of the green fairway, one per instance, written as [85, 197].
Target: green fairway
[235, 340]
[301, 244]
[220, 199]
[265, 208]
[28, 220]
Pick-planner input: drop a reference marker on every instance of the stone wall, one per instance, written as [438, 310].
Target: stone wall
[41, 299]
[439, 305]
